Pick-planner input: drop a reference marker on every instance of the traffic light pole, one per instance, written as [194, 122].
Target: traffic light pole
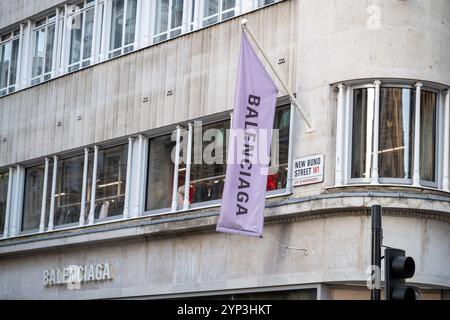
[377, 235]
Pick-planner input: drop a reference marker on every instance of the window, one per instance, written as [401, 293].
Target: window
[218, 10]
[160, 173]
[111, 182]
[396, 133]
[123, 27]
[69, 183]
[4, 179]
[205, 173]
[44, 50]
[262, 3]
[168, 19]
[208, 175]
[81, 31]
[34, 189]
[9, 55]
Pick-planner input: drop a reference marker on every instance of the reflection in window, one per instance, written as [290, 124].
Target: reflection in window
[166, 16]
[396, 133]
[69, 185]
[217, 10]
[82, 36]
[34, 184]
[262, 3]
[44, 39]
[428, 111]
[160, 173]
[278, 175]
[363, 107]
[208, 179]
[9, 53]
[4, 178]
[123, 27]
[111, 182]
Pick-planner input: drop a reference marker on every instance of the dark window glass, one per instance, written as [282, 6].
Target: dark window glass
[34, 188]
[428, 110]
[277, 178]
[68, 190]
[111, 182]
[160, 173]
[4, 179]
[396, 133]
[363, 107]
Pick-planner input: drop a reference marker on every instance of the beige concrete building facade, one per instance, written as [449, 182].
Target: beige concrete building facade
[95, 95]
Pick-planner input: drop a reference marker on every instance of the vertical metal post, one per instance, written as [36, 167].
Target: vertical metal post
[126, 209]
[52, 199]
[377, 235]
[187, 180]
[44, 196]
[84, 188]
[91, 217]
[175, 172]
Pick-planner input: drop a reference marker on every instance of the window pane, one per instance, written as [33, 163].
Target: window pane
[278, 174]
[363, 107]
[160, 173]
[227, 5]
[211, 7]
[4, 178]
[396, 130]
[177, 13]
[131, 21]
[14, 61]
[68, 191]
[162, 16]
[208, 174]
[88, 34]
[49, 48]
[111, 182]
[264, 2]
[428, 136]
[5, 64]
[39, 52]
[75, 40]
[117, 24]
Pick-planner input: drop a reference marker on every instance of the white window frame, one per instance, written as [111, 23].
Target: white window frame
[124, 48]
[174, 207]
[48, 23]
[68, 16]
[346, 150]
[10, 37]
[187, 15]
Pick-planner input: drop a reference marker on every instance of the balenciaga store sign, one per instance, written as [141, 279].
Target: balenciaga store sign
[75, 276]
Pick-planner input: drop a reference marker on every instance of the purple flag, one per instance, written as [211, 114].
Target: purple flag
[244, 195]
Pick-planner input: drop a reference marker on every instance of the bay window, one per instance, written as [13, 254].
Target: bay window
[81, 33]
[9, 57]
[123, 27]
[44, 50]
[392, 138]
[4, 179]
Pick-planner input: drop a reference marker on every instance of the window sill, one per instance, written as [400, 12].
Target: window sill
[389, 186]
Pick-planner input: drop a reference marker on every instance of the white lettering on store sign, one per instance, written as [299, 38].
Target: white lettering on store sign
[308, 170]
[74, 276]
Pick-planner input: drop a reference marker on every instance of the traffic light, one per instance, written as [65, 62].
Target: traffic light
[398, 268]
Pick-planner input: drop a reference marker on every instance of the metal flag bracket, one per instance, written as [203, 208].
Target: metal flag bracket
[294, 101]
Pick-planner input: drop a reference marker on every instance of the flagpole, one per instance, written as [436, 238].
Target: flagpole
[291, 96]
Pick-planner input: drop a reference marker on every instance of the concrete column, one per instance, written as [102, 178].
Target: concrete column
[416, 174]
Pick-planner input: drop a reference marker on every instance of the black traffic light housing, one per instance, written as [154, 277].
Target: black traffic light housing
[398, 268]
